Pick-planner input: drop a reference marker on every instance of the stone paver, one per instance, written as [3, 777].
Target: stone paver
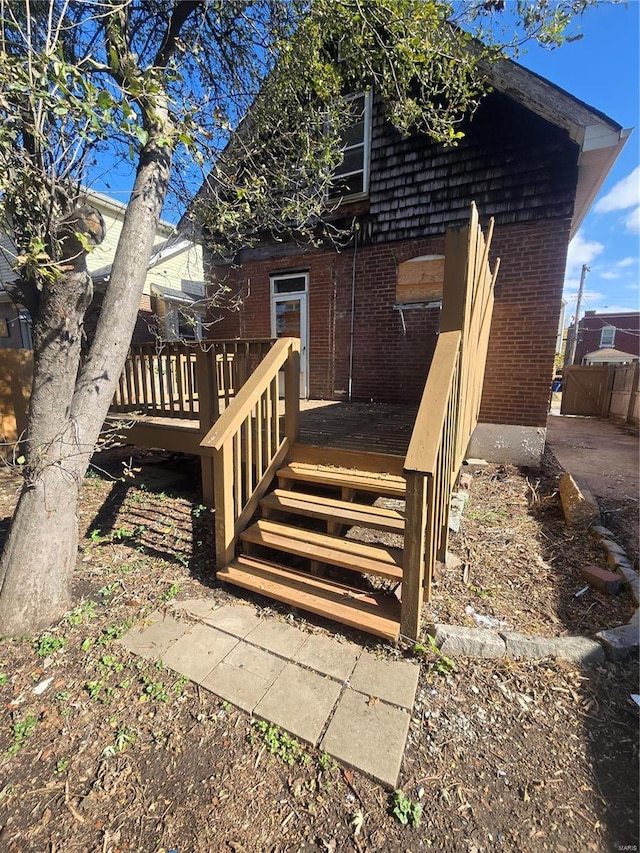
[393, 681]
[198, 651]
[237, 620]
[368, 735]
[197, 607]
[326, 655]
[277, 637]
[152, 638]
[300, 702]
[244, 676]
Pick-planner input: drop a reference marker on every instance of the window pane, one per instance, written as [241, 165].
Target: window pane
[353, 161]
[294, 284]
[350, 185]
[607, 336]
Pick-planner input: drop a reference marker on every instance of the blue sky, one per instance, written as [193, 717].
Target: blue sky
[602, 69]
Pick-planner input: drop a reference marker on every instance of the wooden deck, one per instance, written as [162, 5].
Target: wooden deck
[378, 427]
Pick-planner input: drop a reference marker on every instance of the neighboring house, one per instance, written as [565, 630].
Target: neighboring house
[606, 338]
[172, 305]
[534, 158]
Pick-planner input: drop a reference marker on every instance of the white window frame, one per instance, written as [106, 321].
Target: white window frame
[366, 145]
[607, 340]
[172, 323]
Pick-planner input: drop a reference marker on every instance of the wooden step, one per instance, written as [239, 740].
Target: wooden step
[377, 614]
[334, 511]
[345, 478]
[323, 548]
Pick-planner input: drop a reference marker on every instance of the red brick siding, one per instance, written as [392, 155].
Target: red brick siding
[391, 364]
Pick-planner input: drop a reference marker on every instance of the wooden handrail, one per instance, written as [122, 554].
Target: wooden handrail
[248, 444]
[229, 421]
[426, 437]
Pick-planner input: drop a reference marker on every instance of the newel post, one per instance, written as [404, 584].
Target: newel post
[292, 393]
[414, 554]
[207, 412]
[223, 502]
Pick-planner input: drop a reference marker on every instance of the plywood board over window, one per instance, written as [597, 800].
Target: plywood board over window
[420, 280]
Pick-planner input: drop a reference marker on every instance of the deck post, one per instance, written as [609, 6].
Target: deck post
[414, 549]
[292, 394]
[224, 497]
[207, 413]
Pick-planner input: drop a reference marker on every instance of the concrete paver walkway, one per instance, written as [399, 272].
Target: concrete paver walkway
[331, 694]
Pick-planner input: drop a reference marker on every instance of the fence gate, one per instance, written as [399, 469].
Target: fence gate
[586, 390]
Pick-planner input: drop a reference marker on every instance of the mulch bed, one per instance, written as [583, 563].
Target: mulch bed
[118, 755]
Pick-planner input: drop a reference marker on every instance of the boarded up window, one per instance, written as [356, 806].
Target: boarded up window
[420, 280]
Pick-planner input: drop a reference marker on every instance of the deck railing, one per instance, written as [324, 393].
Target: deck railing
[448, 412]
[250, 441]
[173, 379]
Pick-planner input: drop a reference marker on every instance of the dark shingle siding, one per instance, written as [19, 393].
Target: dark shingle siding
[513, 164]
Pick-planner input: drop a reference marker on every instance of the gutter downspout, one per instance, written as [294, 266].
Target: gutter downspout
[353, 311]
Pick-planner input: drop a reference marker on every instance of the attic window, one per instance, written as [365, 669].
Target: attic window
[352, 175]
[420, 280]
[607, 336]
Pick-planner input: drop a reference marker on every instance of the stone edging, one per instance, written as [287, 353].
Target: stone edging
[613, 643]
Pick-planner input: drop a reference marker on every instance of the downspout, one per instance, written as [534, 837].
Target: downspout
[353, 311]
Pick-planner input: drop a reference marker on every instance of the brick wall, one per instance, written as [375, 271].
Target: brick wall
[390, 362]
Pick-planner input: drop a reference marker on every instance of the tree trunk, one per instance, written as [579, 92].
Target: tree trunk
[66, 415]
[40, 554]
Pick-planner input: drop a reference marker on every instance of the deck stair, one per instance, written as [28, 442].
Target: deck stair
[306, 518]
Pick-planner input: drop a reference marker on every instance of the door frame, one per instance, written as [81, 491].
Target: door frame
[300, 296]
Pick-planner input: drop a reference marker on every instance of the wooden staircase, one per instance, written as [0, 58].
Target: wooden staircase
[297, 552]
[316, 541]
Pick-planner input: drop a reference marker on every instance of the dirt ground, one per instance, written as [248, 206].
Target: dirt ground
[101, 751]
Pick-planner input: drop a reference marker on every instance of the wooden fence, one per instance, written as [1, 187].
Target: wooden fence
[249, 442]
[448, 412]
[602, 390]
[170, 380]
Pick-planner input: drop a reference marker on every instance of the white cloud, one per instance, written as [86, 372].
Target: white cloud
[625, 194]
[627, 262]
[581, 252]
[609, 275]
[632, 221]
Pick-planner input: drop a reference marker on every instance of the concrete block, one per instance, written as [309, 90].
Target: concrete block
[244, 676]
[469, 642]
[529, 648]
[368, 735]
[196, 607]
[578, 504]
[277, 637]
[580, 650]
[152, 638]
[328, 656]
[392, 680]
[601, 579]
[620, 643]
[236, 619]
[300, 702]
[197, 652]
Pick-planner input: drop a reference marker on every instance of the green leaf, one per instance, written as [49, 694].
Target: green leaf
[142, 135]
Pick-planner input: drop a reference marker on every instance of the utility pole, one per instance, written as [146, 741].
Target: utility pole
[576, 322]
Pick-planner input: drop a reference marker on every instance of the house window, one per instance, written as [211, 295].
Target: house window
[182, 324]
[607, 336]
[352, 175]
[420, 280]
